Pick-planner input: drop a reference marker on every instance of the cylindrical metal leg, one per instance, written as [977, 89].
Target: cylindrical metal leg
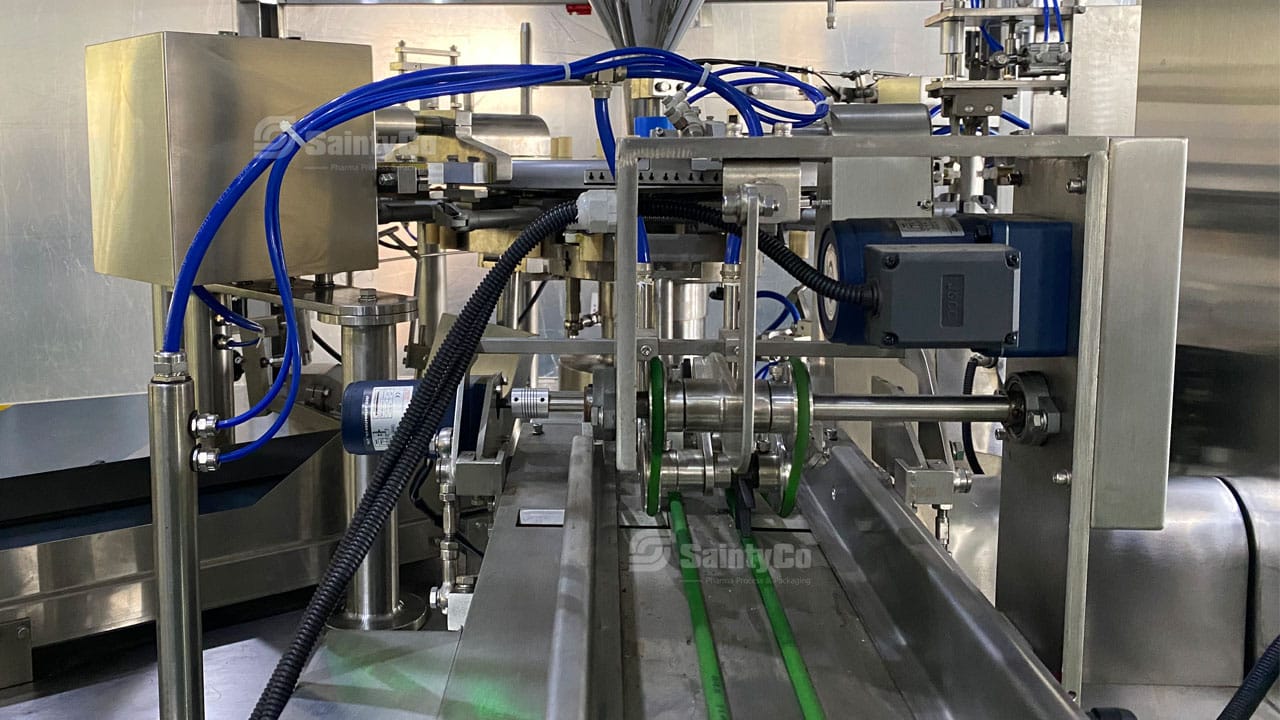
[607, 313]
[683, 309]
[373, 598]
[526, 57]
[515, 298]
[222, 374]
[174, 511]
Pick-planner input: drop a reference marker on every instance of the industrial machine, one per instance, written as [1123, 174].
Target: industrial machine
[937, 485]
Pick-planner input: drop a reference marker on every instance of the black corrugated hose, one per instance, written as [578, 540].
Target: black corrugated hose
[1256, 684]
[410, 444]
[966, 429]
[771, 245]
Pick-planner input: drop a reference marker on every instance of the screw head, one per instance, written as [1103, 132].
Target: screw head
[1039, 420]
[831, 434]
[646, 351]
[1011, 339]
[988, 108]
[23, 633]
[890, 262]
[889, 340]
[368, 295]
[1013, 259]
[1062, 477]
[968, 108]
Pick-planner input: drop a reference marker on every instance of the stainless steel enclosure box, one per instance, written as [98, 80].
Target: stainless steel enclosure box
[174, 117]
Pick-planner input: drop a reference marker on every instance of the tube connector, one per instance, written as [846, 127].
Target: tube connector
[205, 459]
[169, 366]
[597, 211]
[204, 425]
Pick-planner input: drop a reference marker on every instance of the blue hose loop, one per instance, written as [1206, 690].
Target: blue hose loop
[422, 84]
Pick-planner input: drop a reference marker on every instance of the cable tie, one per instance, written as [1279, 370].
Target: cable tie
[568, 71]
[287, 128]
[706, 73]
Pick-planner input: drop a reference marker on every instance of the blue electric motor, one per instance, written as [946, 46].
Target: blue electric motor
[1046, 304]
[372, 409]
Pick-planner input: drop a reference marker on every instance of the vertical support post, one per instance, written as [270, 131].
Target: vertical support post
[374, 601]
[174, 512]
[432, 292]
[747, 324]
[625, 290]
[222, 376]
[526, 58]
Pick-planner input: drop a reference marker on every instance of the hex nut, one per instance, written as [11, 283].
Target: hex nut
[205, 459]
[204, 425]
[169, 365]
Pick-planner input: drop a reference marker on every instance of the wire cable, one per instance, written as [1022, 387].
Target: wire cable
[966, 428]
[230, 316]
[789, 308]
[1246, 699]
[326, 347]
[533, 300]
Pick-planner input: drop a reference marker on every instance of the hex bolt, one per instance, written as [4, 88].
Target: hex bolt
[831, 434]
[1062, 477]
[1039, 420]
[1076, 186]
[1011, 339]
[368, 295]
[889, 340]
[890, 262]
[1013, 260]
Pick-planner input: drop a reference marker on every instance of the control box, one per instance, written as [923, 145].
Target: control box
[944, 296]
[1044, 305]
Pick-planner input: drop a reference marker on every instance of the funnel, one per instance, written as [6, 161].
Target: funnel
[647, 23]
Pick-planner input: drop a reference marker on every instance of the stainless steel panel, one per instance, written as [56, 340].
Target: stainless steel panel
[1211, 77]
[501, 666]
[570, 665]
[1260, 502]
[949, 652]
[1192, 576]
[174, 117]
[92, 583]
[1137, 335]
[41, 437]
[1104, 70]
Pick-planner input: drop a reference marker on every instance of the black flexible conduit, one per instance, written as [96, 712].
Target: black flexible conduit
[771, 245]
[409, 446]
[966, 428]
[1254, 689]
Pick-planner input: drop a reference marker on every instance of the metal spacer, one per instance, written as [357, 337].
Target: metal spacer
[205, 459]
[1062, 477]
[169, 366]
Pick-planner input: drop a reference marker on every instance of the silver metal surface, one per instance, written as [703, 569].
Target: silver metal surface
[15, 652]
[910, 593]
[501, 664]
[1220, 92]
[195, 109]
[1103, 97]
[431, 289]
[104, 580]
[1137, 333]
[1259, 500]
[682, 309]
[171, 401]
[875, 187]
[569, 666]
[374, 598]
[1119, 389]
[345, 306]
[935, 408]
[646, 23]
[1193, 576]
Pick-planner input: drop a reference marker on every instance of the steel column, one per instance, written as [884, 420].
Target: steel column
[174, 512]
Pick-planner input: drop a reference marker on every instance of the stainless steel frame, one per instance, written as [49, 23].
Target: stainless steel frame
[93, 583]
[1119, 390]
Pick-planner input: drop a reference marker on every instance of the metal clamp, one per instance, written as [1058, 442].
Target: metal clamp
[1033, 415]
